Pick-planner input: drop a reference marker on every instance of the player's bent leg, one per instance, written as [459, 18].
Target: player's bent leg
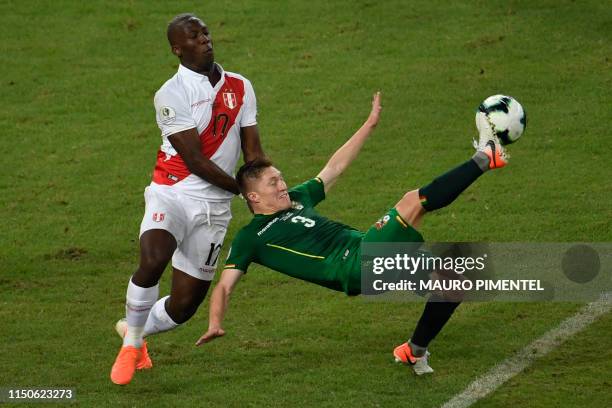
[195, 261]
[169, 312]
[186, 296]
[159, 321]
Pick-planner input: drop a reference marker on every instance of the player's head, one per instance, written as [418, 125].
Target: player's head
[263, 187]
[191, 42]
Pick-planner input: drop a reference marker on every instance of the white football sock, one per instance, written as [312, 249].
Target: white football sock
[133, 336]
[159, 321]
[137, 306]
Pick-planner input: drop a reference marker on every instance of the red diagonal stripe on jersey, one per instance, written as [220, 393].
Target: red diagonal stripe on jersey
[226, 106]
[171, 169]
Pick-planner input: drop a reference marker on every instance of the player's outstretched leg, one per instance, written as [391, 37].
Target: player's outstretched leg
[444, 189]
[489, 155]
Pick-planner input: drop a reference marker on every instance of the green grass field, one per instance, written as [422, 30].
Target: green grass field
[80, 138]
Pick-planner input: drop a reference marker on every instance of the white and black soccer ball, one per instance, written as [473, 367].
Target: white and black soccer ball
[507, 117]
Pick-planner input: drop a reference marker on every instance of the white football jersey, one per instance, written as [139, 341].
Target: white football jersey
[188, 100]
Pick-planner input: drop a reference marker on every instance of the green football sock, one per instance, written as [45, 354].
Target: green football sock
[445, 189]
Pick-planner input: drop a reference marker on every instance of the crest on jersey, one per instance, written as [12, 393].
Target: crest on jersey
[229, 99]
[166, 115]
[158, 217]
[297, 205]
[381, 222]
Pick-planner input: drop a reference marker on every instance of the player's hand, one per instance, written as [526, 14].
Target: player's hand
[210, 335]
[375, 112]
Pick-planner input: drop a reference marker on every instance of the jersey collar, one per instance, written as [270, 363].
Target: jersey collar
[182, 70]
[266, 215]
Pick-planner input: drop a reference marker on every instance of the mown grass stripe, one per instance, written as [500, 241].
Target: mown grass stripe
[498, 375]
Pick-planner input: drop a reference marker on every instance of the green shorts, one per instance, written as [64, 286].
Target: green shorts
[389, 228]
[392, 228]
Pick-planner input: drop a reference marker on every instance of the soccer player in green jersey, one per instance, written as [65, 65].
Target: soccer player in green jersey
[287, 234]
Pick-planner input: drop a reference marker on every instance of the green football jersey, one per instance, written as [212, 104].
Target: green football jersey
[299, 242]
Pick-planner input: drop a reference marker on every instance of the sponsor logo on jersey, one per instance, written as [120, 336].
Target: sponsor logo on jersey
[167, 115]
[286, 216]
[158, 217]
[268, 225]
[202, 102]
[381, 222]
[209, 270]
[229, 99]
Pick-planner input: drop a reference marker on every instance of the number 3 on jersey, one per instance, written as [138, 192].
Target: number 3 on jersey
[308, 223]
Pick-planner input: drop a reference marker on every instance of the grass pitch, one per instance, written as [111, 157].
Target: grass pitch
[80, 138]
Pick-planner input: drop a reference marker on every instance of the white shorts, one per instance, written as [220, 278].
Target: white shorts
[199, 228]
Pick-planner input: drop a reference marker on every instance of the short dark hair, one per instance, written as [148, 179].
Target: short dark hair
[251, 170]
[177, 22]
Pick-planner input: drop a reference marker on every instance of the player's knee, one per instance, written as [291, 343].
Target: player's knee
[410, 208]
[411, 200]
[153, 263]
[149, 270]
[456, 296]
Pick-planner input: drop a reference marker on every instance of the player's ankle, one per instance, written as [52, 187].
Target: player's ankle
[482, 160]
[417, 350]
[133, 336]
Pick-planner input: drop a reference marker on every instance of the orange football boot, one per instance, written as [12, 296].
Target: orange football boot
[144, 363]
[420, 365]
[403, 354]
[125, 365]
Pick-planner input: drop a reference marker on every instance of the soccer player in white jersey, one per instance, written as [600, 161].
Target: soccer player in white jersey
[206, 116]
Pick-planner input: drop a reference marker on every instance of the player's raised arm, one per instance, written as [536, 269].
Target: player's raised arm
[218, 304]
[341, 159]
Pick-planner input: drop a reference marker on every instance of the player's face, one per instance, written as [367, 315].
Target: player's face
[271, 191]
[194, 46]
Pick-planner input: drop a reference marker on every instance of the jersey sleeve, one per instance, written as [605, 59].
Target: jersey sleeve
[249, 114]
[309, 193]
[172, 112]
[241, 253]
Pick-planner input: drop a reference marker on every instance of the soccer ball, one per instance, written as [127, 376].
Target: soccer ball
[506, 115]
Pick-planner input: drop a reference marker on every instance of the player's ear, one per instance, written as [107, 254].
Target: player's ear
[176, 50]
[252, 197]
